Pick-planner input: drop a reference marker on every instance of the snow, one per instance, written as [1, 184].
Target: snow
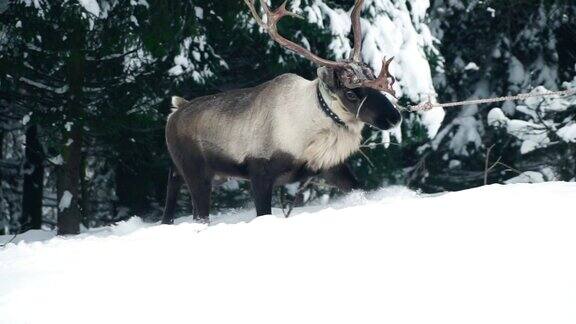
[494, 254]
[385, 140]
[134, 61]
[26, 119]
[432, 119]
[199, 12]
[492, 11]
[496, 117]
[134, 21]
[183, 64]
[568, 133]
[37, 4]
[472, 66]
[399, 32]
[91, 6]
[516, 73]
[60, 90]
[65, 200]
[467, 133]
[534, 133]
[527, 177]
[57, 160]
[390, 29]
[453, 164]
[140, 3]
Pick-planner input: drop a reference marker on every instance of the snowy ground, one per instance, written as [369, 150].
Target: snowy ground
[496, 254]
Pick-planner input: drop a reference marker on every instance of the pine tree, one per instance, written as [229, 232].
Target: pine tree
[33, 187]
[491, 49]
[92, 77]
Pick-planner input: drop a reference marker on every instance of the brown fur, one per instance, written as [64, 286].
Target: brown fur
[269, 134]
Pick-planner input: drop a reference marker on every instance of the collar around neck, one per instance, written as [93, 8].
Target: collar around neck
[326, 109]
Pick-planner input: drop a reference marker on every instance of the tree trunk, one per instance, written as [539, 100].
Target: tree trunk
[33, 190]
[69, 215]
[2, 209]
[84, 193]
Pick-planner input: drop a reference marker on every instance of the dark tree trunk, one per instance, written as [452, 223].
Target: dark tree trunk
[1, 181]
[69, 215]
[33, 182]
[1, 158]
[84, 194]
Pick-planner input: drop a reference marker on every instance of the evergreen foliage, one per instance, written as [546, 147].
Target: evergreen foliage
[491, 49]
[85, 88]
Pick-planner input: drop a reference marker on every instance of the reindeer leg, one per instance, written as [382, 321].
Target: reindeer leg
[173, 187]
[342, 177]
[200, 191]
[262, 187]
[263, 174]
[198, 178]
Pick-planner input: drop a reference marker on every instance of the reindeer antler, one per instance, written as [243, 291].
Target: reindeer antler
[353, 73]
[357, 29]
[273, 17]
[382, 82]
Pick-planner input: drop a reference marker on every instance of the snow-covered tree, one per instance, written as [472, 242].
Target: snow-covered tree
[390, 28]
[93, 75]
[93, 78]
[490, 49]
[544, 133]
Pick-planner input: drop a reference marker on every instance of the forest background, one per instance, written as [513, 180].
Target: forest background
[85, 89]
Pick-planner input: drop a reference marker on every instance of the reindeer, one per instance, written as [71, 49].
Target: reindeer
[282, 131]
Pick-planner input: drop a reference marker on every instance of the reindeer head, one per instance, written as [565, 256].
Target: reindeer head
[351, 82]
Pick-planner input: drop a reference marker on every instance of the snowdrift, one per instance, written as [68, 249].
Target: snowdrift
[495, 254]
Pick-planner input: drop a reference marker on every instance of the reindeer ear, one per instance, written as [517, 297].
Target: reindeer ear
[328, 77]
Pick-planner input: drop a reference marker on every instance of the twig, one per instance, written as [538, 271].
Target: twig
[9, 241]
[291, 205]
[508, 167]
[372, 145]
[420, 165]
[486, 168]
[367, 158]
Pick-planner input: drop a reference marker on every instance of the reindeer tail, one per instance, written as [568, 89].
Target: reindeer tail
[178, 102]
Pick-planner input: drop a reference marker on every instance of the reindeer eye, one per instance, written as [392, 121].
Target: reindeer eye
[351, 96]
